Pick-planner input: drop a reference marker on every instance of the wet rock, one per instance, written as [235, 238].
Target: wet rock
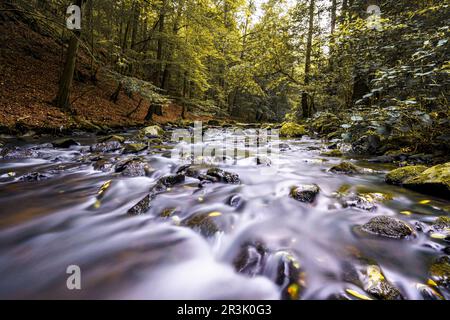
[113, 138]
[332, 153]
[103, 165]
[375, 283]
[142, 206]
[12, 153]
[133, 168]
[204, 223]
[346, 168]
[434, 180]
[235, 201]
[188, 171]
[161, 186]
[305, 193]
[442, 223]
[292, 130]
[325, 123]
[108, 146]
[388, 227]
[135, 147]
[250, 260]
[34, 176]
[170, 181]
[382, 159]
[399, 176]
[440, 271]
[150, 132]
[263, 161]
[289, 276]
[64, 143]
[223, 176]
[284, 147]
[367, 144]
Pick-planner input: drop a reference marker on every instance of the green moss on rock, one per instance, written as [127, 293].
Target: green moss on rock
[388, 227]
[292, 130]
[332, 153]
[434, 180]
[440, 271]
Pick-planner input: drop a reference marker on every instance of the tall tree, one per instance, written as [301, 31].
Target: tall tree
[63, 97]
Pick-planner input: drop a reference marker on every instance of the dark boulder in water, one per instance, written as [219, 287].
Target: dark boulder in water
[368, 144]
[250, 259]
[223, 176]
[34, 176]
[12, 153]
[142, 206]
[388, 227]
[204, 223]
[305, 193]
[108, 146]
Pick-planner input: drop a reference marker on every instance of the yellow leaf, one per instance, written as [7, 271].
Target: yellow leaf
[424, 201]
[293, 290]
[104, 187]
[408, 213]
[439, 236]
[357, 294]
[200, 199]
[97, 204]
[431, 283]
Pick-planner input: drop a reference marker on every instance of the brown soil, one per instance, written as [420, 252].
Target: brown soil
[30, 65]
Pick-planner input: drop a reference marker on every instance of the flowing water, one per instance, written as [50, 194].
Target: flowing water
[63, 220]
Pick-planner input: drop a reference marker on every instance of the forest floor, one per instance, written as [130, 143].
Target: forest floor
[30, 66]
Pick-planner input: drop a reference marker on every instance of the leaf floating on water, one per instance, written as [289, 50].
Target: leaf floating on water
[12, 174]
[431, 283]
[406, 213]
[104, 187]
[357, 294]
[425, 201]
[215, 214]
[200, 199]
[97, 204]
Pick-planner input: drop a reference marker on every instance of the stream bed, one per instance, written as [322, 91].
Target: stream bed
[239, 238]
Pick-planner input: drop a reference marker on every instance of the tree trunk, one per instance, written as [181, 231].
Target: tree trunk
[306, 112]
[63, 97]
[159, 53]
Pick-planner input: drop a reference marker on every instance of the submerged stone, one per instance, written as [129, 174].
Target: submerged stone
[442, 223]
[108, 146]
[250, 259]
[305, 193]
[204, 223]
[388, 227]
[133, 168]
[17, 153]
[364, 201]
[400, 175]
[34, 176]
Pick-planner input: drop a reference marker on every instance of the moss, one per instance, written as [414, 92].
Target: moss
[345, 167]
[399, 176]
[292, 130]
[135, 147]
[332, 153]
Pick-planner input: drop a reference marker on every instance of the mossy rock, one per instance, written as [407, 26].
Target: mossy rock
[400, 175]
[440, 271]
[388, 227]
[292, 130]
[332, 153]
[64, 143]
[442, 223]
[434, 180]
[365, 201]
[113, 138]
[346, 167]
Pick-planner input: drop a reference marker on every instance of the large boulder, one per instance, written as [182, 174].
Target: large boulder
[388, 227]
[434, 180]
[292, 130]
